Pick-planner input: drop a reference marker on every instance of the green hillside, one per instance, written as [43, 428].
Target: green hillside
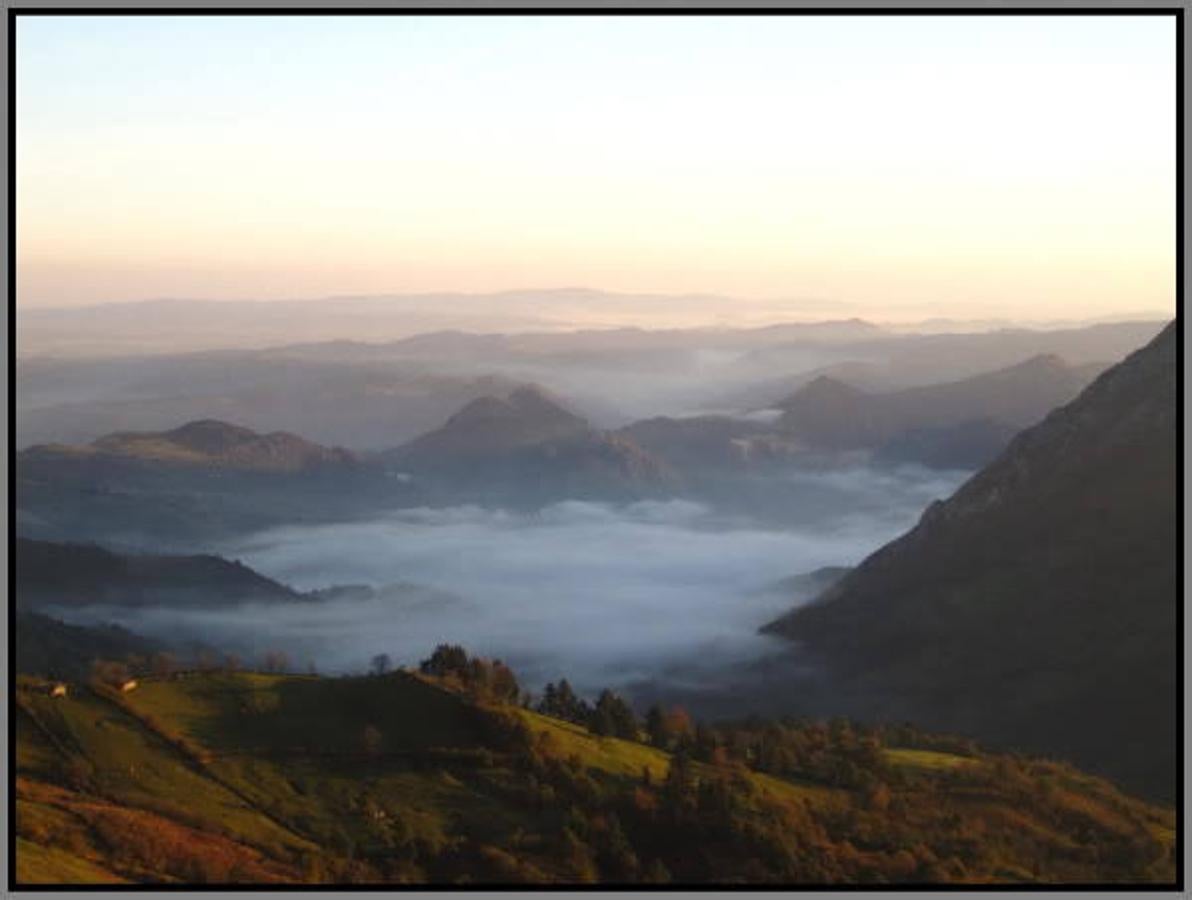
[403, 778]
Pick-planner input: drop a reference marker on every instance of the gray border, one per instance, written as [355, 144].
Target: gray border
[546, 6]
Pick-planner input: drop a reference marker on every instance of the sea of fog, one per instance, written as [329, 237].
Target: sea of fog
[606, 595]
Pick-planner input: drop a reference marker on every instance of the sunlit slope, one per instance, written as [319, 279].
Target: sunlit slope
[269, 778]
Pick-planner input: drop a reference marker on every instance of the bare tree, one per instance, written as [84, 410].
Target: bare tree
[276, 661]
[381, 664]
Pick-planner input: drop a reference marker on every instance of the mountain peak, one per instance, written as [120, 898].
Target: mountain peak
[822, 389]
[528, 415]
[210, 435]
[1062, 550]
[211, 442]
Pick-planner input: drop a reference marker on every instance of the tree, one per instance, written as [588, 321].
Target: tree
[503, 683]
[612, 716]
[679, 787]
[562, 703]
[276, 661]
[656, 726]
[667, 729]
[447, 659]
[371, 740]
[381, 664]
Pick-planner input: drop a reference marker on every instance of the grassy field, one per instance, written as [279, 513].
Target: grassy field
[931, 760]
[280, 778]
[38, 864]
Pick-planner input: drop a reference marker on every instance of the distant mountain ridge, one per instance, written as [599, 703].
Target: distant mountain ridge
[189, 324]
[494, 424]
[209, 442]
[529, 443]
[1036, 607]
[73, 575]
[828, 413]
[52, 647]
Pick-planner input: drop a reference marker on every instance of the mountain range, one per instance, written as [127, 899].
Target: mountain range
[529, 448]
[75, 575]
[209, 443]
[829, 414]
[1037, 606]
[378, 395]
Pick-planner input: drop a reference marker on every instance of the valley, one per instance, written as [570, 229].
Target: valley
[658, 558]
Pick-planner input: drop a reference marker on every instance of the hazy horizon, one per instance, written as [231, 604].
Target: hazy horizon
[595, 449]
[888, 168]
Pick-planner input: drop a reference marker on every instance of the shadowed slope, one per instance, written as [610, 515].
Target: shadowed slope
[1036, 607]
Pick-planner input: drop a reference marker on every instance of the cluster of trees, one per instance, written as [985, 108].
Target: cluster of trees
[611, 716]
[481, 679]
[709, 818]
[885, 825]
[836, 752]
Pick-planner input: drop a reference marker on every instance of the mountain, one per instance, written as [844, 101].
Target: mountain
[527, 447]
[832, 415]
[693, 442]
[495, 425]
[207, 442]
[76, 575]
[361, 403]
[173, 325]
[702, 443]
[1037, 606]
[829, 414]
[204, 480]
[53, 648]
[442, 778]
[967, 445]
[899, 361]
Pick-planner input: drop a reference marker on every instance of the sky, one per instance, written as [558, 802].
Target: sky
[958, 166]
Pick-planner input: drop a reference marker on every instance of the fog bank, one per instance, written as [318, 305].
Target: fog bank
[604, 595]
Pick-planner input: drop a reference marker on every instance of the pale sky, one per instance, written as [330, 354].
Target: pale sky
[967, 166]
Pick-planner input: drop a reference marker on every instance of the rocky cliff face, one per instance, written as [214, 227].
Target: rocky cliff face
[1036, 607]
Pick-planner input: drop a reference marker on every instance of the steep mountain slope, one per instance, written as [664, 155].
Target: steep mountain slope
[1037, 606]
[967, 445]
[72, 575]
[829, 414]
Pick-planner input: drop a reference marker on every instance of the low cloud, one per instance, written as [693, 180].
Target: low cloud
[605, 595]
